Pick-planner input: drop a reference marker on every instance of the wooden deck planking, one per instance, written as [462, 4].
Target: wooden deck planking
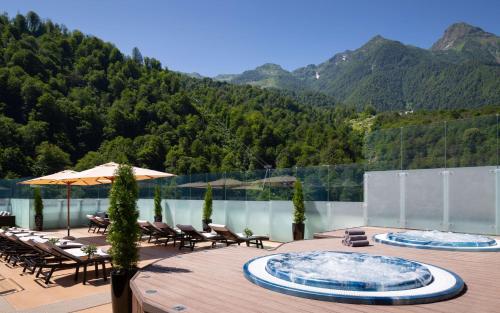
[215, 281]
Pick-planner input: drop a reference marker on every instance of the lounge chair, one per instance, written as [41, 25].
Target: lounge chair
[192, 236]
[231, 237]
[40, 257]
[147, 229]
[71, 258]
[96, 223]
[163, 230]
[12, 248]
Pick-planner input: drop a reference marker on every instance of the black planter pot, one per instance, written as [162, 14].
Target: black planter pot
[39, 222]
[298, 231]
[158, 218]
[205, 225]
[121, 295]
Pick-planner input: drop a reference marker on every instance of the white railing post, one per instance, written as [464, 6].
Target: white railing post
[365, 198]
[330, 216]
[446, 199]
[497, 200]
[402, 199]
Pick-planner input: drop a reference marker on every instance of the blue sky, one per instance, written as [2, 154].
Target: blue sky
[223, 36]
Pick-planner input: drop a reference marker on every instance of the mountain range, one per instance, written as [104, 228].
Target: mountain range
[460, 70]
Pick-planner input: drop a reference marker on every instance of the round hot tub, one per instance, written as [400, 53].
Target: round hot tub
[439, 240]
[353, 277]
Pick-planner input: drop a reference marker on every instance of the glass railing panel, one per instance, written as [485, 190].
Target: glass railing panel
[383, 198]
[219, 212]
[472, 199]
[382, 149]
[318, 218]
[280, 183]
[423, 146]
[314, 182]
[258, 217]
[236, 187]
[281, 221]
[236, 215]
[257, 186]
[345, 182]
[424, 199]
[345, 215]
[472, 142]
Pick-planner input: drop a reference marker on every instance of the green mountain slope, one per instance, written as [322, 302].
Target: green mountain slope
[461, 70]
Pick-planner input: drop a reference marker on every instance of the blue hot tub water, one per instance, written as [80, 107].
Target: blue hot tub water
[441, 239]
[348, 271]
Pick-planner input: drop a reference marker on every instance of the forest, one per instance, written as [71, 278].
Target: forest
[71, 100]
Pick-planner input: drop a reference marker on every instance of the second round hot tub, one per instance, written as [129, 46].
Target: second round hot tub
[433, 239]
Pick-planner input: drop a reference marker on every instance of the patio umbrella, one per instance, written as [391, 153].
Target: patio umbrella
[276, 181]
[105, 174]
[55, 179]
[219, 183]
[199, 184]
[102, 174]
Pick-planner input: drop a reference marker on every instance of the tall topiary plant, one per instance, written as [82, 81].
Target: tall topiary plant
[123, 236]
[207, 209]
[38, 205]
[157, 205]
[299, 211]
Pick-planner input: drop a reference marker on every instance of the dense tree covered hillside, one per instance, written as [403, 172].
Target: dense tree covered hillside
[72, 100]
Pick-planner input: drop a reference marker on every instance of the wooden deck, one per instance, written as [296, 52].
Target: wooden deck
[211, 280]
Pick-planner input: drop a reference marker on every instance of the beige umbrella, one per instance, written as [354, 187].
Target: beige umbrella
[52, 179]
[219, 183]
[102, 174]
[56, 179]
[105, 174]
[278, 181]
[199, 184]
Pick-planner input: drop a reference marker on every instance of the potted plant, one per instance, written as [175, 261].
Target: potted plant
[157, 206]
[248, 232]
[123, 236]
[89, 250]
[37, 195]
[298, 212]
[207, 209]
[53, 241]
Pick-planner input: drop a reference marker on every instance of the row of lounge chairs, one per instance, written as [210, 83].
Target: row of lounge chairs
[188, 236]
[34, 252]
[96, 223]
[159, 231]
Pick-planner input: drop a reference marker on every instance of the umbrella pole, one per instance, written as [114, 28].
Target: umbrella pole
[68, 191]
[68, 196]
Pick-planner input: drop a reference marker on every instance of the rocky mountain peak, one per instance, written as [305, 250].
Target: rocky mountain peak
[457, 33]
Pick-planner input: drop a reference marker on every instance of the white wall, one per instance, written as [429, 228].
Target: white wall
[465, 199]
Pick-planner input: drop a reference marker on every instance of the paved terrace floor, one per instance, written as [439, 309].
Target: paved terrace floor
[211, 280]
[64, 295]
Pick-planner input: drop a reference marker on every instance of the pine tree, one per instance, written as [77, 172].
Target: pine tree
[137, 56]
[298, 204]
[157, 204]
[124, 230]
[207, 206]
